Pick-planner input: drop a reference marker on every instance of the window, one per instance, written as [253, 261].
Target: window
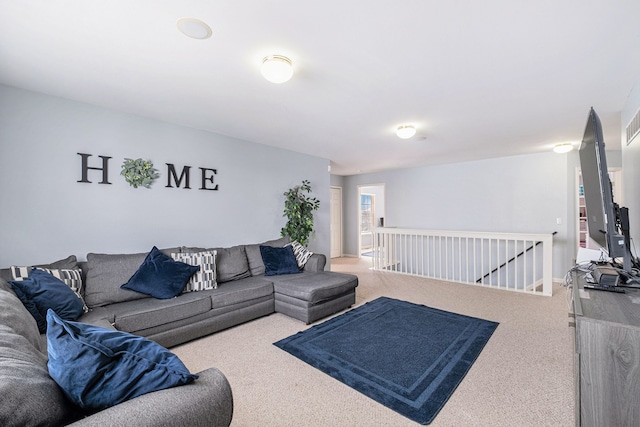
[366, 212]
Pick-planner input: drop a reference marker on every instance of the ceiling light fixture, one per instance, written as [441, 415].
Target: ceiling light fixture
[562, 148]
[406, 131]
[194, 28]
[277, 68]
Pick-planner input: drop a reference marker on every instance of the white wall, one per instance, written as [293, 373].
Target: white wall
[631, 167]
[46, 214]
[514, 194]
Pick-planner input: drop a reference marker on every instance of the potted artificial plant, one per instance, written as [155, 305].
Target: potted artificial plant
[299, 208]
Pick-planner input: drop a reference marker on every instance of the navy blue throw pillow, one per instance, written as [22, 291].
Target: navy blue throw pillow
[98, 367]
[41, 291]
[279, 261]
[160, 276]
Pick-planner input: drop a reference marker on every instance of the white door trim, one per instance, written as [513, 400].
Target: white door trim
[359, 215]
[335, 222]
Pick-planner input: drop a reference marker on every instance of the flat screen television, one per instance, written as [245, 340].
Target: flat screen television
[608, 223]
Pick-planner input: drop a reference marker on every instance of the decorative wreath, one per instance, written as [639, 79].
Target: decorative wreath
[139, 172]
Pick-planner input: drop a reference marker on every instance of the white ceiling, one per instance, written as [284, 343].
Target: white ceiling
[479, 79]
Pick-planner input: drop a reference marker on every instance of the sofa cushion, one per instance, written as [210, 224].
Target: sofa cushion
[241, 291]
[203, 279]
[231, 264]
[69, 262]
[279, 261]
[160, 276]
[98, 367]
[133, 316]
[314, 287]
[29, 396]
[41, 291]
[102, 316]
[254, 257]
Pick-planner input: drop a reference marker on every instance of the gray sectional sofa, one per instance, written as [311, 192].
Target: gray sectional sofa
[243, 293]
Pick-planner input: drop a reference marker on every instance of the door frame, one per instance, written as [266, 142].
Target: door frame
[362, 189]
[332, 224]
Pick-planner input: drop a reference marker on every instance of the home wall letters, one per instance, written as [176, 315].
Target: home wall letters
[86, 167]
[207, 175]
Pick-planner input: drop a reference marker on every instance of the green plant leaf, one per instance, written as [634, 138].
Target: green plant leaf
[139, 172]
[298, 209]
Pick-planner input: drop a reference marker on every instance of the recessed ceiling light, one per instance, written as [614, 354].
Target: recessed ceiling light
[277, 68]
[562, 148]
[406, 131]
[194, 28]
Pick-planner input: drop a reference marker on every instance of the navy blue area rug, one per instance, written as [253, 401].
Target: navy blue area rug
[406, 356]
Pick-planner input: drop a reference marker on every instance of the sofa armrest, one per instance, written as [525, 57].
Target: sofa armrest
[205, 402]
[316, 263]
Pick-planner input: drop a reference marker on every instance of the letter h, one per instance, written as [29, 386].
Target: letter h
[86, 167]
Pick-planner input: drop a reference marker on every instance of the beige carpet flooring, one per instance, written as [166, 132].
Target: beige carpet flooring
[523, 377]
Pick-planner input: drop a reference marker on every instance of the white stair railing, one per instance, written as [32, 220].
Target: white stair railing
[510, 261]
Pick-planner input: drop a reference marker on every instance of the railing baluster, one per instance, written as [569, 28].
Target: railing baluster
[422, 255]
[459, 258]
[534, 278]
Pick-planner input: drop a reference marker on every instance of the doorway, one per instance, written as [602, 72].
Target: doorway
[371, 214]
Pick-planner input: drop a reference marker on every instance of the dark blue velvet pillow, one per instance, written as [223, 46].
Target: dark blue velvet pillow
[279, 261]
[160, 276]
[97, 367]
[41, 291]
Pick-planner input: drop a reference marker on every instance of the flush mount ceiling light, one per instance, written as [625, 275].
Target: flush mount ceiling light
[277, 68]
[562, 148]
[406, 131]
[194, 28]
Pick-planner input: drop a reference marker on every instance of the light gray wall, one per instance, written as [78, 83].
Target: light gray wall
[337, 181]
[521, 194]
[631, 167]
[46, 214]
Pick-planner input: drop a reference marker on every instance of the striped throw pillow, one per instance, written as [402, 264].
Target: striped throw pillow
[206, 277]
[302, 254]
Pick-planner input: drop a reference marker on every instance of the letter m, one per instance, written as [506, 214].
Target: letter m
[172, 176]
